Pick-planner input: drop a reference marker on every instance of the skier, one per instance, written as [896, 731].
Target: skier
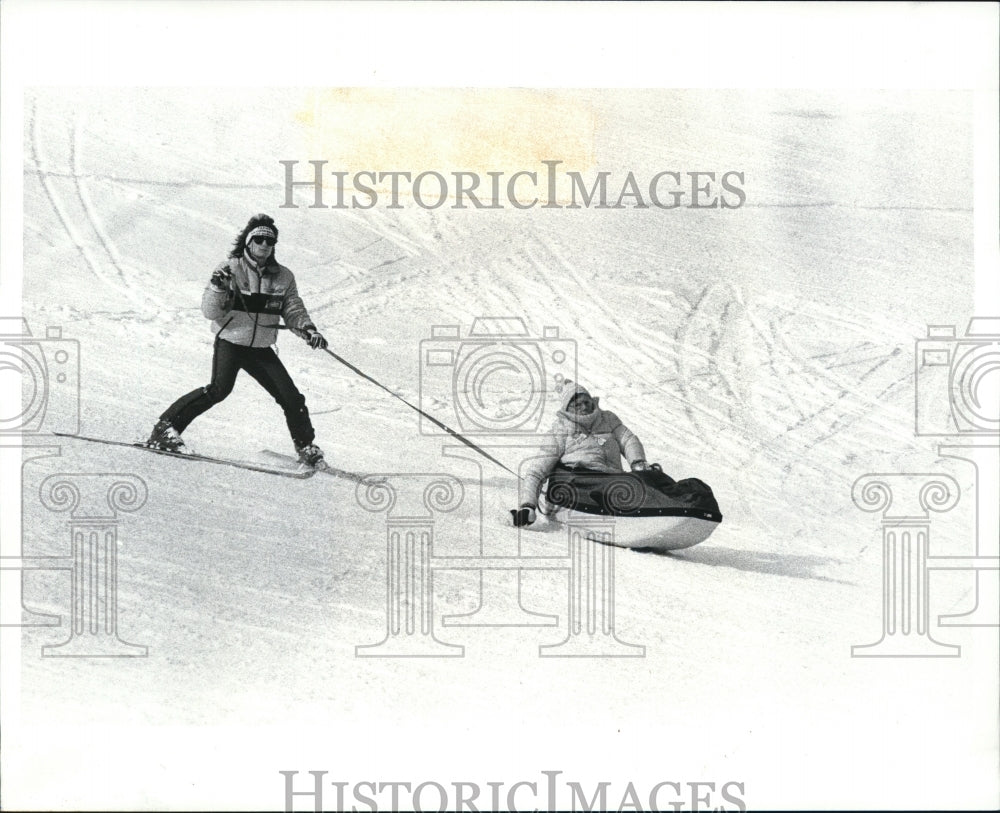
[583, 436]
[245, 298]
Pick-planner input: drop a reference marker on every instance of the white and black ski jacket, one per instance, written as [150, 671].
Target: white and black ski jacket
[249, 311]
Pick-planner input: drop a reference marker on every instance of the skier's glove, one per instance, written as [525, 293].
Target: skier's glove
[316, 340]
[640, 465]
[221, 278]
[525, 515]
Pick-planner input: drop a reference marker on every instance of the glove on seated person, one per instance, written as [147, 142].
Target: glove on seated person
[525, 515]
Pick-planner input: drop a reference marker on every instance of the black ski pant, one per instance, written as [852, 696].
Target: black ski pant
[264, 366]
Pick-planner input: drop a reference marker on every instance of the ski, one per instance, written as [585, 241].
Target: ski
[239, 464]
[323, 468]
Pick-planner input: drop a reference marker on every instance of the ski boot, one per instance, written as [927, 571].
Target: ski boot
[311, 455]
[165, 438]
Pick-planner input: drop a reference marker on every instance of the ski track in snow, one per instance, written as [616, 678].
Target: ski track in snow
[77, 225]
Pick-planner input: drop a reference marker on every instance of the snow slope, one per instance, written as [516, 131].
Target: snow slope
[767, 350]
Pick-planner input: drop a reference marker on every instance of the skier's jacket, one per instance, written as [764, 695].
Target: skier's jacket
[266, 296]
[595, 441]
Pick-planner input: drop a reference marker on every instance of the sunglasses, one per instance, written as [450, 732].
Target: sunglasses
[260, 239]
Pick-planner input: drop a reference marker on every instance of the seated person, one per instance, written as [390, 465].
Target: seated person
[583, 436]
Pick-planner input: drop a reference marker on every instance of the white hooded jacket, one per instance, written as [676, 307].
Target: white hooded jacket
[595, 441]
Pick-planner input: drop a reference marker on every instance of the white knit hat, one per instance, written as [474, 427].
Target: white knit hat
[265, 231]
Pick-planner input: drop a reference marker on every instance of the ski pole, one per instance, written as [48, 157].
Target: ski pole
[431, 418]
